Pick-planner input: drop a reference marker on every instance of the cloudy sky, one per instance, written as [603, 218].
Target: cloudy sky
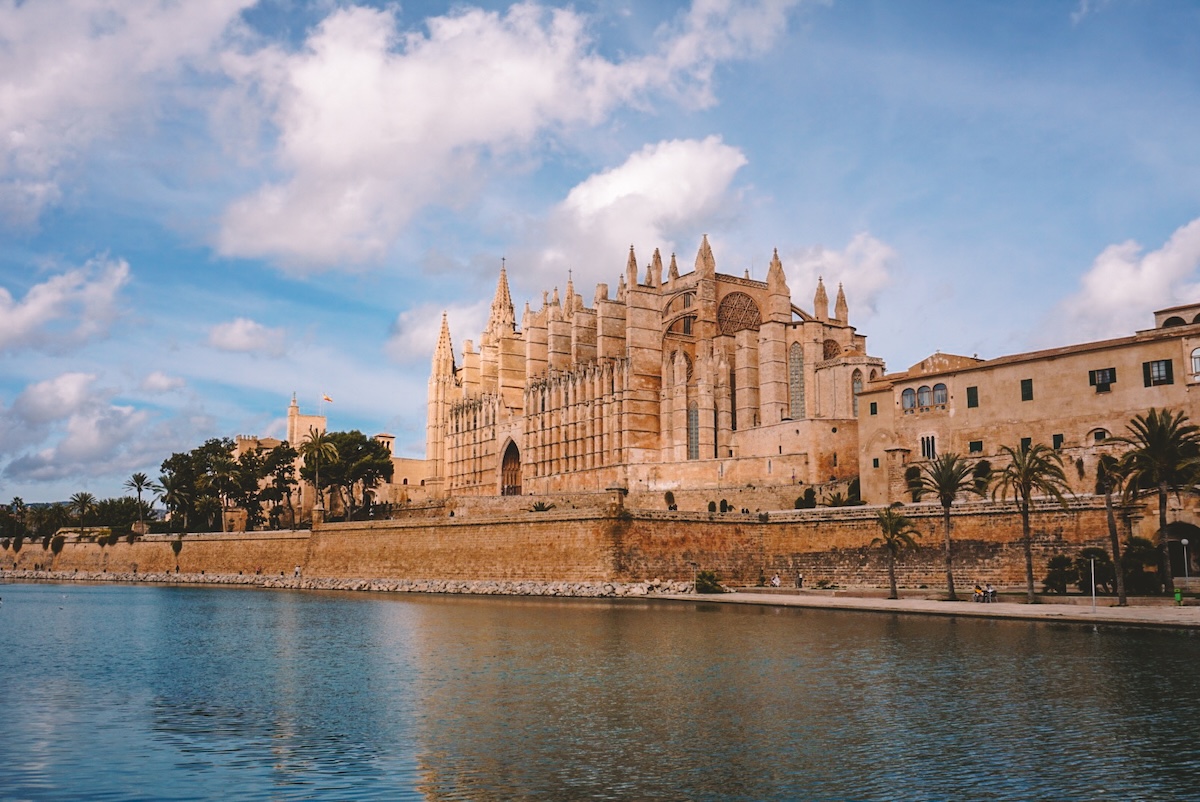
[205, 207]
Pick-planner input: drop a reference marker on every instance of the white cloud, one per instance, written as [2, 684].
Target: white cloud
[247, 336]
[55, 399]
[863, 268]
[96, 440]
[1087, 7]
[74, 71]
[663, 190]
[159, 382]
[374, 124]
[65, 309]
[415, 332]
[1124, 286]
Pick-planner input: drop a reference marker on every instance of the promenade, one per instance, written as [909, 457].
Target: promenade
[1161, 613]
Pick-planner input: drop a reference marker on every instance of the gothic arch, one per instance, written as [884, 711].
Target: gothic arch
[510, 471]
[736, 312]
[796, 381]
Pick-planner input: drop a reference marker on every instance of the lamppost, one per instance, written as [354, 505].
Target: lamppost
[1186, 578]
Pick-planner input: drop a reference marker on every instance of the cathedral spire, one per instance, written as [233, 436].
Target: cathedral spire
[443, 354]
[654, 274]
[821, 301]
[776, 279]
[501, 320]
[673, 270]
[631, 270]
[706, 264]
[841, 311]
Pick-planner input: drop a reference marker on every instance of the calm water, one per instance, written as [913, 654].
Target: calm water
[114, 692]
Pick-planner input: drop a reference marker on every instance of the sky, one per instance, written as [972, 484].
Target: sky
[207, 207]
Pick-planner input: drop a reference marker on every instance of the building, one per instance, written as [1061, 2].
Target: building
[1071, 398]
[700, 380]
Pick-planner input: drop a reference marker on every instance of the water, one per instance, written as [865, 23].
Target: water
[113, 692]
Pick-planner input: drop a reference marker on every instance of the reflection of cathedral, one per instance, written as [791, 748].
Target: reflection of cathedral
[693, 381]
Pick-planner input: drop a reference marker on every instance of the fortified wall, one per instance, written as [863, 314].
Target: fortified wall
[616, 545]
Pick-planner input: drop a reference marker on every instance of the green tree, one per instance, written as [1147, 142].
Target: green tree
[1109, 480]
[83, 503]
[1060, 572]
[1137, 554]
[175, 490]
[139, 483]
[317, 447]
[1106, 573]
[279, 466]
[1033, 470]
[945, 477]
[896, 535]
[120, 514]
[1164, 450]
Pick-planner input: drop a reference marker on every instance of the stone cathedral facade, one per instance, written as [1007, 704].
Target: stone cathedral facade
[700, 380]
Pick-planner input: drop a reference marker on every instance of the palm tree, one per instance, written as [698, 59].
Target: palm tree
[318, 445]
[1031, 469]
[1164, 452]
[175, 493]
[945, 477]
[224, 482]
[83, 503]
[896, 535]
[138, 483]
[1108, 481]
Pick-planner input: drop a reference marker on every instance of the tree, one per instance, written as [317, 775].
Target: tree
[1163, 456]
[175, 492]
[1035, 469]
[280, 465]
[1060, 572]
[945, 477]
[139, 483]
[1105, 571]
[317, 448]
[83, 503]
[897, 534]
[1109, 480]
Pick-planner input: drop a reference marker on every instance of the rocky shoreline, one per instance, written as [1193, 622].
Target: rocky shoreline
[654, 587]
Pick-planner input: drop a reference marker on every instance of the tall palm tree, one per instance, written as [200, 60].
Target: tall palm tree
[1163, 456]
[945, 477]
[139, 483]
[318, 446]
[896, 536]
[175, 492]
[83, 502]
[224, 482]
[1108, 481]
[1035, 469]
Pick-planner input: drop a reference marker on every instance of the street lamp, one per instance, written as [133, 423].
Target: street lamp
[1186, 578]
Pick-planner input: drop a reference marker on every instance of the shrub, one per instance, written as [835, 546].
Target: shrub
[56, 544]
[912, 478]
[706, 582]
[17, 543]
[810, 498]
[1138, 555]
[177, 546]
[982, 473]
[669, 497]
[1060, 572]
[5, 543]
[724, 505]
[541, 506]
[712, 506]
[1106, 575]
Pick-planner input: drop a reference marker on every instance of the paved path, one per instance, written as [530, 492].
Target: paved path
[1140, 616]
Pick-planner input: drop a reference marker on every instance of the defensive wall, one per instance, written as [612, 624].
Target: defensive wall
[616, 544]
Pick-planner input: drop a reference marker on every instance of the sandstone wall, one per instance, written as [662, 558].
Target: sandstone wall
[584, 545]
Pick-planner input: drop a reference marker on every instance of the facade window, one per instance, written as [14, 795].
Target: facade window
[1102, 379]
[1100, 435]
[687, 301]
[1026, 442]
[855, 389]
[874, 408]
[1026, 389]
[693, 431]
[732, 400]
[1057, 441]
[928, 446]
[908, 400]
[1196, 362]
[687, 325]
[796, 380]
[975, 447]
[1158, 372]
[924, 396]
[939, 395]
[972, 397]
[875, 462]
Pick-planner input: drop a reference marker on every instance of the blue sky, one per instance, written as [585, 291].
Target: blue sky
[207, 207]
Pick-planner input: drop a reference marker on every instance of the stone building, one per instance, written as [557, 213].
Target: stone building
[700, 380]
[1071, 398]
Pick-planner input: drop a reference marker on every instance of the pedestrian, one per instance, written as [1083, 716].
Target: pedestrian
[989, 593]
[799, 580]
[296, 573]
[978, 593]
[775, 581]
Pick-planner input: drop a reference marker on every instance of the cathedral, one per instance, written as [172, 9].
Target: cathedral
[700, 380]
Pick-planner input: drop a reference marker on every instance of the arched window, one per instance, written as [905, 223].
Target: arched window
[693, 434]
[1174, 321]
[908, 400]
[939, 395]
[924, 396]
[855, 389]
[831, 349]
[1196, 361]
[796, 381]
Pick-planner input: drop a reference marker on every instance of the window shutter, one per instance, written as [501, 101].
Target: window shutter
[1092, 378]
[1112, 373]
[1170, 363]
[1146, 373]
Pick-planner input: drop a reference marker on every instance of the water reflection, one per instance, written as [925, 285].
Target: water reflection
[167, 693]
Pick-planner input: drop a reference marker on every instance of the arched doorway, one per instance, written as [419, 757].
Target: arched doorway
[510, 471]
[1177, 532]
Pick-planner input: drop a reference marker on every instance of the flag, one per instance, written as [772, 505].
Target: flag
[326, 398]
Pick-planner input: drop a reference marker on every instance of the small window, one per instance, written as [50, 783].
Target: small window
[1026, 442]
[928, 446]
[939, 395]
[1057, 441]
[924, 396]
[1026, 389]
[972, 397]
[1196, 362]
[875, 462]
[975, 446]
[874, 408]
[1100, 435]
[1102, 379]
[908, 400]
[1158, 372]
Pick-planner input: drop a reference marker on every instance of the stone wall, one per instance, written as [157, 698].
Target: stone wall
[829, 545]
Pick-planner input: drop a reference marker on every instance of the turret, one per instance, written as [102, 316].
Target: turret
[673, 270]
[841, 312]
[821, 301]
[655, 272]
[706, 263]
[501, 320]
[631, 269]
